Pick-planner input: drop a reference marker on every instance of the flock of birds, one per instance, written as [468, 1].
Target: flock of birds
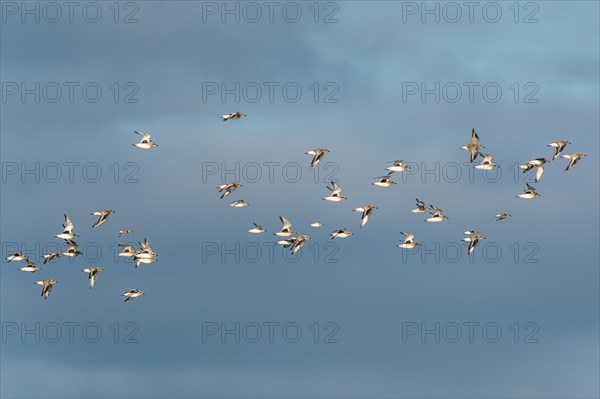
[145, 254]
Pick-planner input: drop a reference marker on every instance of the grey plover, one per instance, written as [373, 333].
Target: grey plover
[538, 164]
[420, 207]
[132, 294]
[528, 193]
[232, 116]
[366, 212]
[573, 158]
[239, 204]
[228, 188]
[47, 289]
[103, 214]
[316, 224]
[408, 240]
[473, 241]
[336, 191]
[340, 233]
[127, 250]
[559, 146]
[145, 142]
[317, 155]
[17, 256]
[299, 243]
[67, 233]
[502, 216]
[257, 229]
[72, 249]
[51, 256]
[383, 181]
[30, 267]
[473, 146]
[124, 232]
[438, 216]
[397, 166]
[286, 229]
[92, 274]
[487, 163]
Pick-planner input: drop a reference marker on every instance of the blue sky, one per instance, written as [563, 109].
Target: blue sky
[373, 291]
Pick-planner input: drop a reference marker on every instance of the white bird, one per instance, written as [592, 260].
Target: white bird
[127, 250]
[340, 233]
[366, 212]
[317, 155]
[437, 215]
[30, 267]
[257, 229]
[103, 214]
[528, 193]
[336, 195]
[316, 224]
[538, 164]
[132, 294]
[397, 166]
[299, 243]
[383, 181]
[487, 163]
[92, 274]
[67, 233]
[559, 147]
[473, 241]
[573, 158]
[502, 216]
[286, 229]
[473, 146]
[239, 204]
[72, 249]
[124, 232]
[47, 286]
[420, 207]
[228, 188]
[408, 241]
[145, 142]
[232, 116]
[17, 256]
[51, 256]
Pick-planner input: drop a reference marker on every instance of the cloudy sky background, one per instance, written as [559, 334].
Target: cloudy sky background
[373, 288]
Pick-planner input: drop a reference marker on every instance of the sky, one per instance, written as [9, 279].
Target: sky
[227, 313]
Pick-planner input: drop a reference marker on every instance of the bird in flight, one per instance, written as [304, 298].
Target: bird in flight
[336, 195]
[473, 146]
[366, 212]
[317, 155]
[408, 240]
[145, 142]
[92, 274]
[573, 158]
[132, 294]
[559, 146]
[103, 215]
[538, 164]
[47, 289]
[232, 116]
[529, 193]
